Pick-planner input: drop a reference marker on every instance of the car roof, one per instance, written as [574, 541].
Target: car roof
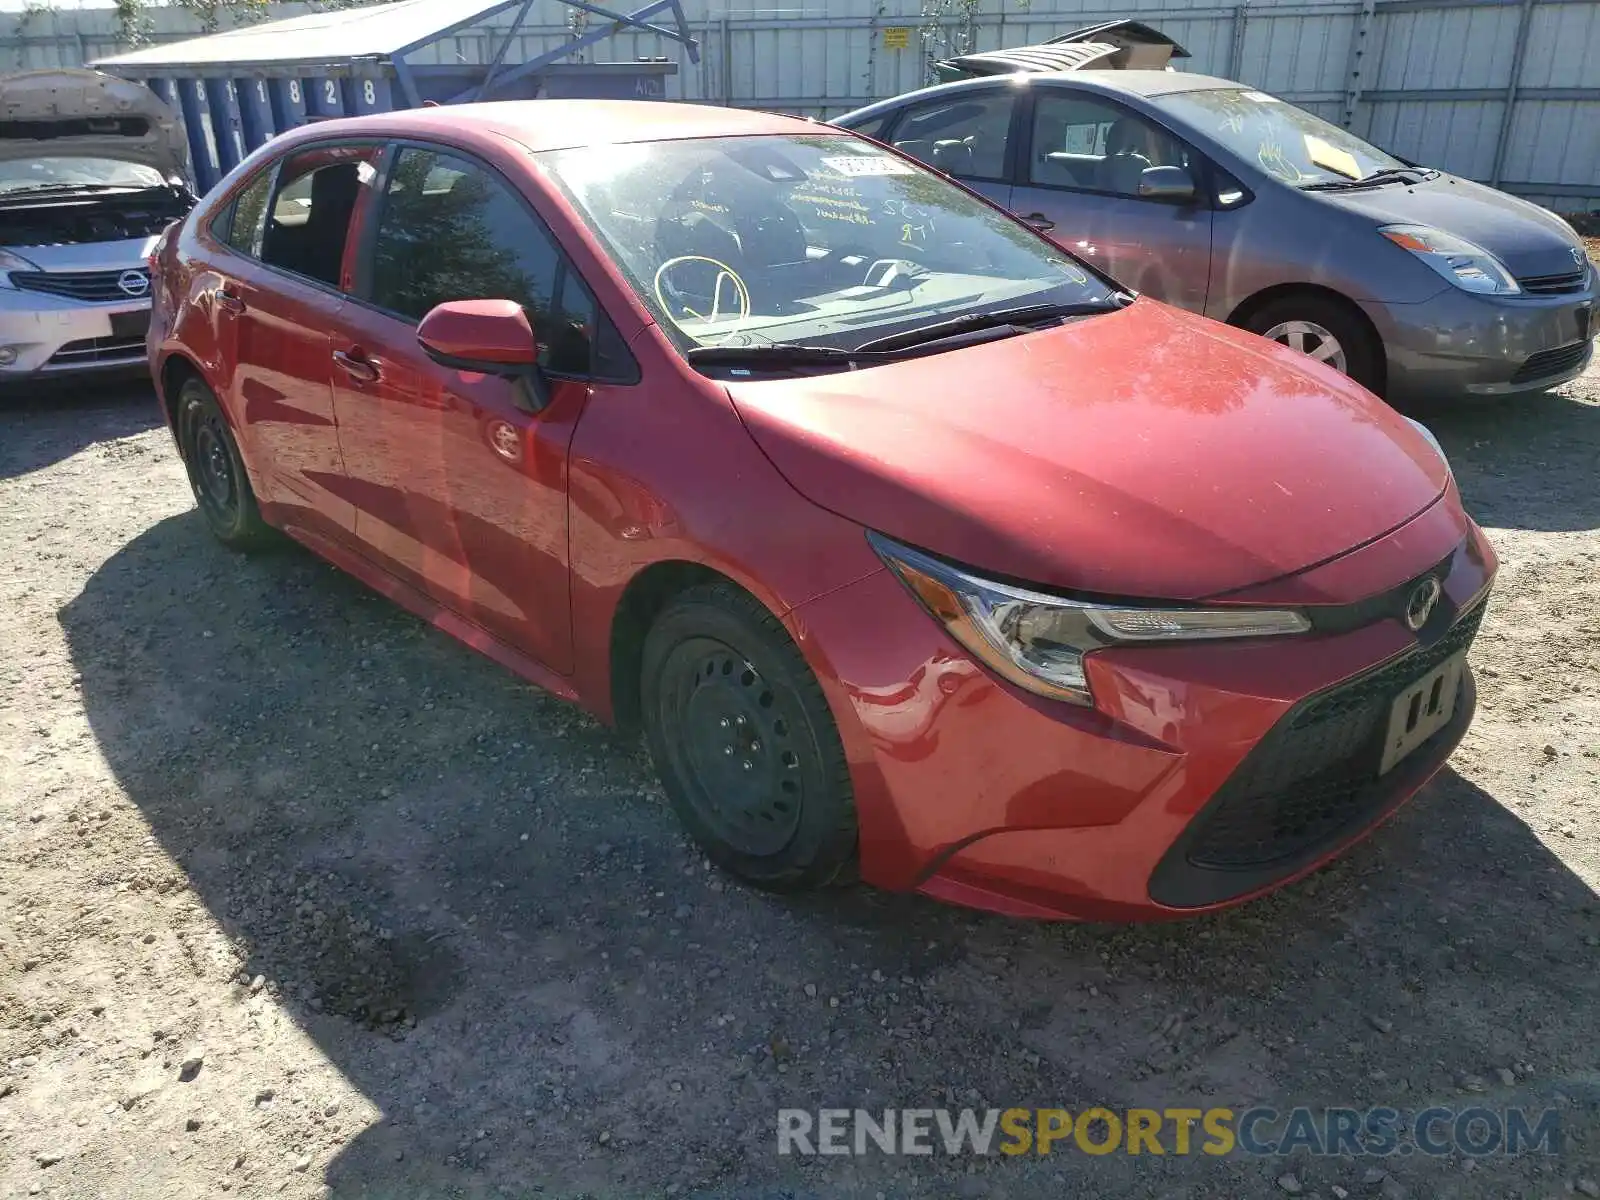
[565, 124]
[1135, 83]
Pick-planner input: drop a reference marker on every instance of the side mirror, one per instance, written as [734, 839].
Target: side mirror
[1172, 184]
[489, 337]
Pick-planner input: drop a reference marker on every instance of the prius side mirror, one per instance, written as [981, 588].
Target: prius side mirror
[488, 337]
[1173, 185]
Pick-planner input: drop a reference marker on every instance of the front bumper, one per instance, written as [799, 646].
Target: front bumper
[54, 336]
[974, 792]
[1458, 343]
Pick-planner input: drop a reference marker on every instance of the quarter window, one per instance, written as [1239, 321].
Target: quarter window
[451, 231]
[245, 220]
[965, 137]
[1090, 145]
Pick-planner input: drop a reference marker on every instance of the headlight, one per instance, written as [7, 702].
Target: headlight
[1038, 641]
[1431, 440]
[1463, 263]
[12, 262]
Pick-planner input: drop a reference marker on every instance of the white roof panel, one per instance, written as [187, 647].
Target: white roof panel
[336, 36]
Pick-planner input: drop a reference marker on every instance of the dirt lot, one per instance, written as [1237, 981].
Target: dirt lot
[299, 897]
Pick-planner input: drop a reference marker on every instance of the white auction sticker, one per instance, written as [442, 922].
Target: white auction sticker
[868, 164]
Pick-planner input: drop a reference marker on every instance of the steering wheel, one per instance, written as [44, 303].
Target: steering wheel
[730, 297]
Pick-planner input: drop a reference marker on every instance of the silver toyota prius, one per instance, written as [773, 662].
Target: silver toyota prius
[1226, 200]
[91, 172]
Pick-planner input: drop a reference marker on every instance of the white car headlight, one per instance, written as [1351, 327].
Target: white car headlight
[12, 262]
[1038, 641]
[1463, 263]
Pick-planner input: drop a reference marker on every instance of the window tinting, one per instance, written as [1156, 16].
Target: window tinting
[450, 231]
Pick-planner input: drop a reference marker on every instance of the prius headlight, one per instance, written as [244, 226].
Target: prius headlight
[1038, 641]
[1465, 264]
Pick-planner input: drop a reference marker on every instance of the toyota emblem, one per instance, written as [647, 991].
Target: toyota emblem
[1419, 605]
[134, 283]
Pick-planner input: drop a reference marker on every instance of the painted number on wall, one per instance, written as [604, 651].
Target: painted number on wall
[369, 93]
[330, 91]
[294, 91]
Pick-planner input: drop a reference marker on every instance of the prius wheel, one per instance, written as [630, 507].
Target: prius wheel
[1325, 330]
[747, 749]
[216, 472]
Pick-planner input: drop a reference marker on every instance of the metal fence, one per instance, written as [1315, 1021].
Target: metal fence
[1505, 91]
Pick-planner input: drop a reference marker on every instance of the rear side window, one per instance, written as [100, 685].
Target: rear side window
[309, 220]
[449, 230]
[248, 216]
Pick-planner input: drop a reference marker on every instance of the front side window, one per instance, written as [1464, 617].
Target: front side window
[1088, 144]
[1288, 143]
[448, 230]
[310, 215]
[965, 137]
[824, 240]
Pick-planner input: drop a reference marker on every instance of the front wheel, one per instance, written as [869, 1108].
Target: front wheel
[1325, 330]
[744, 741]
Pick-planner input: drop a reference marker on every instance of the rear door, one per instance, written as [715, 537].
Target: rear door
[1078, 171]
[277, 296]
[970, 135]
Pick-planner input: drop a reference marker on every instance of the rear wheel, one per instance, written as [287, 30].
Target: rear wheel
[1323, 329]
[744, 741]
[216, 471]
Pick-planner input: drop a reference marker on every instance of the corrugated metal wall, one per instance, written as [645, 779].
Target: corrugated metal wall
[1504, 91]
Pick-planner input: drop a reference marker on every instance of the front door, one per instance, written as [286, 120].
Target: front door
[459, 486]
[1078, 181]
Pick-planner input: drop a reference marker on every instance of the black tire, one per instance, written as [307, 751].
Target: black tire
[747, 750]
[1363, 352]
[216, 472]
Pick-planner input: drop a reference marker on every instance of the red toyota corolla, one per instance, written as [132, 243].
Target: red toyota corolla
[908, 541]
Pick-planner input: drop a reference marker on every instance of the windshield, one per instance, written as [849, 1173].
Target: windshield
[1288, 142]
[75, 171]
[824, 240]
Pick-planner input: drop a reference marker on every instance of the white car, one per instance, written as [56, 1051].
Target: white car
[91, 172]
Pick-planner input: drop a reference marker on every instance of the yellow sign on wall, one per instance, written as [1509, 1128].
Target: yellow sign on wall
[896, 37]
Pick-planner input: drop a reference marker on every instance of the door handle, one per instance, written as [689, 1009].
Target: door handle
[229, 302]
[357, 365]
[1040, 222]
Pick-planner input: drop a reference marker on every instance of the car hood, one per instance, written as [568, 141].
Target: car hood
[1529, 240]
[1145, 453]
[76, 112]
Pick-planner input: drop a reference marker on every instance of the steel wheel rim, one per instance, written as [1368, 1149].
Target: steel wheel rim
[1312, 340]
[214, 467]
[733, 736]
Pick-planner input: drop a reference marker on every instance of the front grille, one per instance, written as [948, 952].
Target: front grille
[96, 350]
[1548, 362]
[1313, 779]
[1555, 285]
[82, 285]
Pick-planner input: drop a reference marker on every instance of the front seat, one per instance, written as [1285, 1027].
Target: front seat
[1125, 161]
[953, 156]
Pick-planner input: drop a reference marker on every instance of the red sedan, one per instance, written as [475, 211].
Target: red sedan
[910, 543]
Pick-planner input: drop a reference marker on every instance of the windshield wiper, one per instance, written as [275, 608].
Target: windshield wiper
[1376, 179]
[33, 189]
[780, 354]
[1027, 314]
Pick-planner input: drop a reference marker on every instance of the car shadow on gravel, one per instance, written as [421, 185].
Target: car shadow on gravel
[44, 423]
[477, 904]
[1528, 463]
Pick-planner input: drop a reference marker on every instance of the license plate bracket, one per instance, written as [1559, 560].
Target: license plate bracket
[130, 324]
[1421, 710]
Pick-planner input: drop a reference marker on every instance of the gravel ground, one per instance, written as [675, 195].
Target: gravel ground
[299, 897]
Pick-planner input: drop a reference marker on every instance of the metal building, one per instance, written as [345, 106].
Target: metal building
[237, 89]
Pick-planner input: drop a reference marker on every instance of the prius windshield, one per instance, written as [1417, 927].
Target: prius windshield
[1287, 142]
[821, 240]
